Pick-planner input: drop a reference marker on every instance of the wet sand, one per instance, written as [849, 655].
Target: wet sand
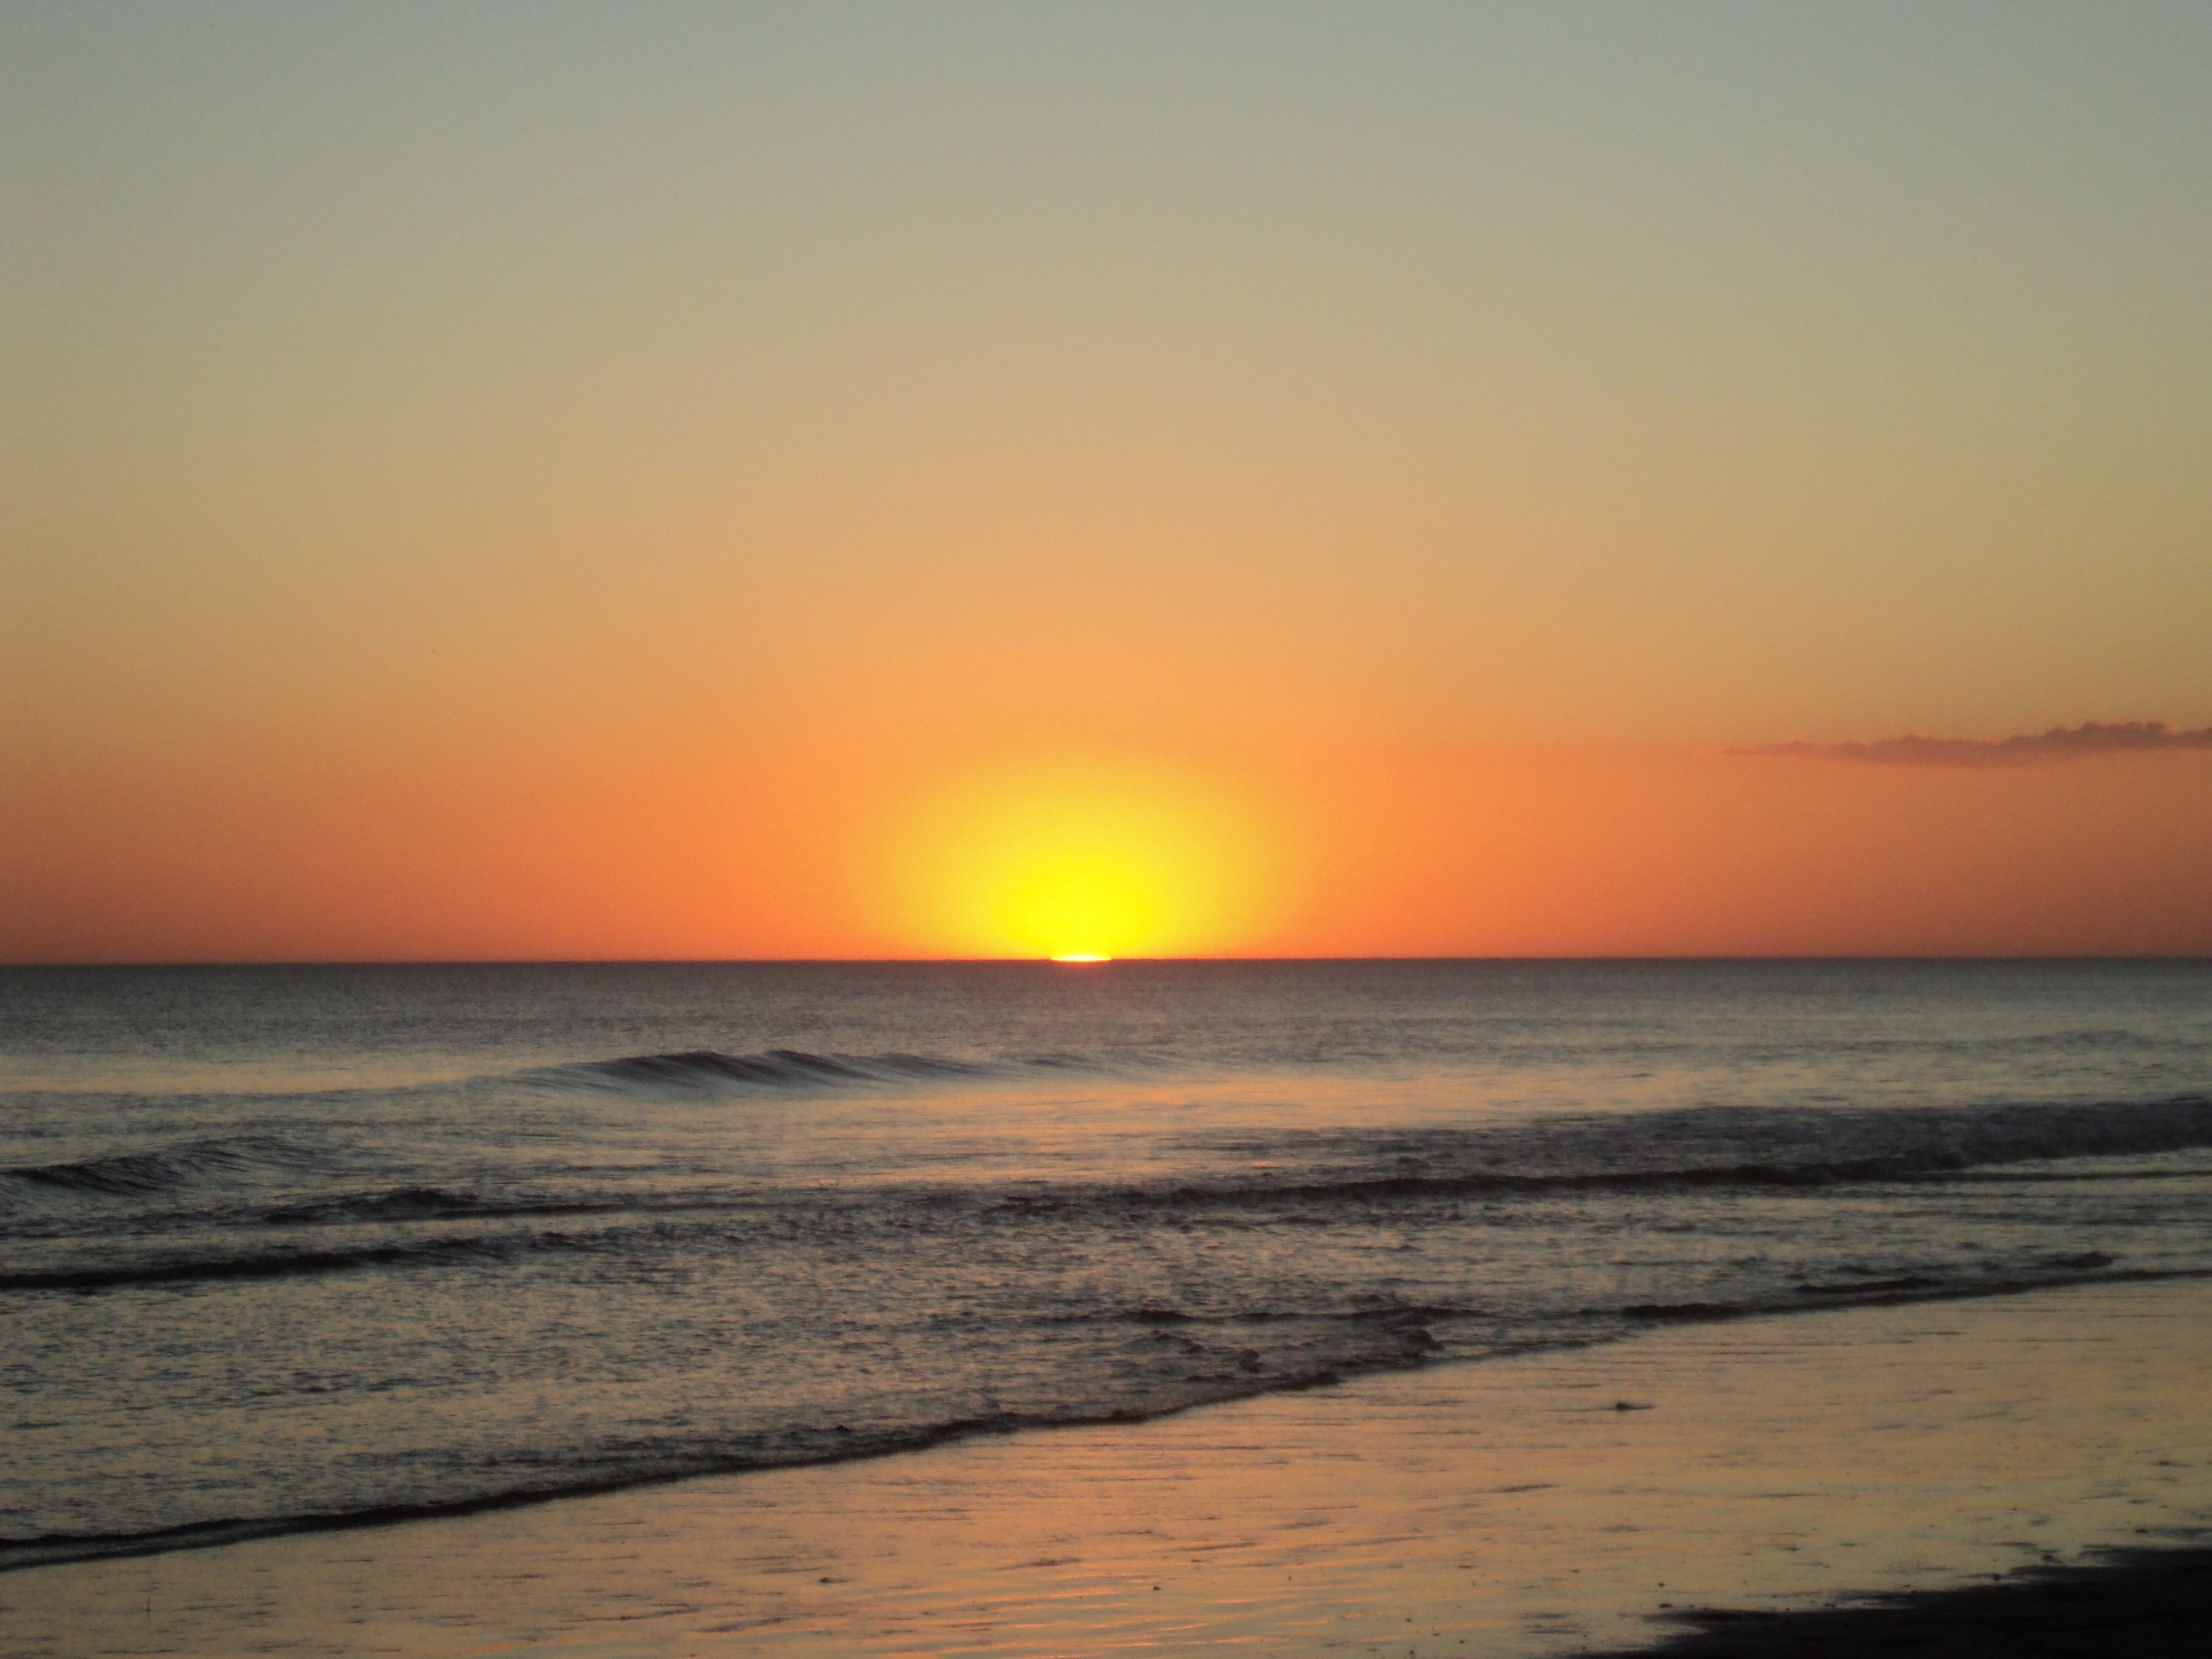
[1546, 1504]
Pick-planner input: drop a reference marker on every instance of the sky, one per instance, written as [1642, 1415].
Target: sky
[710, 480]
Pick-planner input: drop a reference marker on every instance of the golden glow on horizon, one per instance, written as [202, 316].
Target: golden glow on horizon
[1072, 899]
[1081, 863]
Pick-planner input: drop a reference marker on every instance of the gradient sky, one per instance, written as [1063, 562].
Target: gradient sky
[600, 480]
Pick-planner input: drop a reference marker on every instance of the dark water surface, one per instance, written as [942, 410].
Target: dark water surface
[285, 1246]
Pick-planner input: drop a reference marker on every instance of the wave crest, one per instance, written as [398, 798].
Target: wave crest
[792, 1070]
[141, 1175]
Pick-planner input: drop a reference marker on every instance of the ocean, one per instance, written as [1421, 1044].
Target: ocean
[290, 1247]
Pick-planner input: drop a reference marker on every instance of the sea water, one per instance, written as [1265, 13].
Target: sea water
[290, 1247]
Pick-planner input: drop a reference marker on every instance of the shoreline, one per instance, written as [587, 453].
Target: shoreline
[1507, 1507]
[38, 1554]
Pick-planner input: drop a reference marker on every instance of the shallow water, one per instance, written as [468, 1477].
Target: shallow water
[285, 1246]
[1508, 1509]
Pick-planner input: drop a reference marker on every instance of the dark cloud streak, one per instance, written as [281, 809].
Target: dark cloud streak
[2059, 744]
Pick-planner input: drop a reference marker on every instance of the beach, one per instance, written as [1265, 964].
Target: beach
[1549, 1504]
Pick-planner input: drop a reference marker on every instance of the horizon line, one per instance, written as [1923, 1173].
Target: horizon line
[1050, 962]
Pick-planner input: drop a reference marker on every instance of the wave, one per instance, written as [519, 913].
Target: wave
[2057, 1273]
[393, 1204]
[17, 1554]
[2034, 1145]
[1382, 1188]
[1400, 1340]
[142, 1174]
[1390, 1339]
[1934, 1145]
[403, 1204]
[794, 1069]
[288, 1264]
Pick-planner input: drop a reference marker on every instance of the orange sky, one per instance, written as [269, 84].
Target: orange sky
[548, 482]
[1414, 851]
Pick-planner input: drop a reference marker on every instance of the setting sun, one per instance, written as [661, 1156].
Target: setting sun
[1078, 903]
[1081, 863]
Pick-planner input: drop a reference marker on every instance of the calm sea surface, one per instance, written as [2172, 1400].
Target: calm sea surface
[282, 1248]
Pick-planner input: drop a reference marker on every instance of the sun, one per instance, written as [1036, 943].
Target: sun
[1079, 900]
[1081, 863]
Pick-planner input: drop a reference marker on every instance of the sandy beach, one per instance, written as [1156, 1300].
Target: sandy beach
[1548, 1504]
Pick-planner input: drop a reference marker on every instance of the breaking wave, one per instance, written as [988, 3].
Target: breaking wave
[1362, 1342]
[1385, 1337]
[142, 1174]
[794, 1069]
[278, 1264]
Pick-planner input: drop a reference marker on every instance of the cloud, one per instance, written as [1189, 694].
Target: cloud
[2061, 743]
